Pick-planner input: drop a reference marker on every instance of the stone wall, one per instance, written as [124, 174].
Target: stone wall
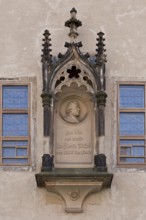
[22, 24]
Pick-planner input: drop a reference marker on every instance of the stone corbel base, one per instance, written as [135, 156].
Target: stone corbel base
[74, 187]
[73, 193]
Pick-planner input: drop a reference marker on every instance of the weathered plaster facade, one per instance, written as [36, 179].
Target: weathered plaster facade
[22, 25]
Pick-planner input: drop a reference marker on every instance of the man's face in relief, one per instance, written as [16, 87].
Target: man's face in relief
[75, 109]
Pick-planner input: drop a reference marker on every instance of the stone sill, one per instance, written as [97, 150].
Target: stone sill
[85, 174]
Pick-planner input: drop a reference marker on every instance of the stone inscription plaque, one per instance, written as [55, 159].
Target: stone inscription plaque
[74, 133]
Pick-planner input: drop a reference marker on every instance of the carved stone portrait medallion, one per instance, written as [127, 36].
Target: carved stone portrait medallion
[73, 110]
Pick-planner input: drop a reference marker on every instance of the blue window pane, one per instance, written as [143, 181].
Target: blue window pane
[9, 152]
[15, 97]
[132, 160]
[131, 96]
[138, 151]
[15, 143]
[19, 161]
[15, 124]
[132, 147]
[132, 142]
[21, 152]
[132, 123]
[125, 151]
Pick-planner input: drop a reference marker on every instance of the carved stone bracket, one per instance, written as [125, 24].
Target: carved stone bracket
[74, 185]
[73, 193]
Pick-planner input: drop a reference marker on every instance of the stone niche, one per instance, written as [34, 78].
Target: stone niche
[74, 129]
[74, 99]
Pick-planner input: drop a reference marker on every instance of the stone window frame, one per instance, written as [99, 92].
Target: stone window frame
[135, 137]
[31, 82]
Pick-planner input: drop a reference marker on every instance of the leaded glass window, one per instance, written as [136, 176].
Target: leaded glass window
[15, 118]
[131, 129]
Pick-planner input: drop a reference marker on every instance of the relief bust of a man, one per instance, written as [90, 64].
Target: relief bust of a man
[72, 112]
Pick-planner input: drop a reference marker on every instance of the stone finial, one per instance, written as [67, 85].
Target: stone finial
[100, 56]
[73, 24]
[46, 56]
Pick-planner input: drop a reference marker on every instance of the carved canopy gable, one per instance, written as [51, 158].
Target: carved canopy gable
[73, 67]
